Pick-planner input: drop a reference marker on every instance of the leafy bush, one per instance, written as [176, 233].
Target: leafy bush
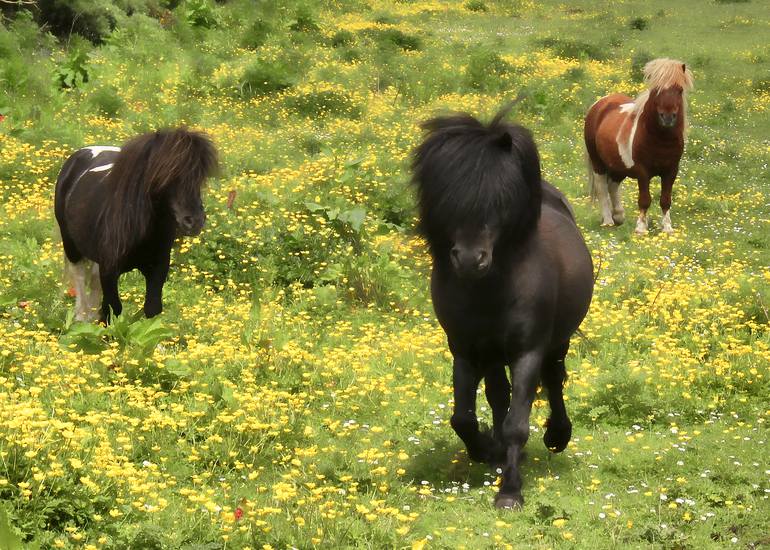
[574, 49]
[262, 77]
[107, 101]
[639, 23]
[200, 13]
[319, 103]
[304, 20]
[390, 37]
[475, 5]
[73, 71]
[638, 61]
[485, 71]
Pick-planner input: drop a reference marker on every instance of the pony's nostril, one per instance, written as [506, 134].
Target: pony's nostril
[455, 254]
[188, 221]
[481, 256]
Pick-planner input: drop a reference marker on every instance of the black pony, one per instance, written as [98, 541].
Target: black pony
[122, 208]
[512, 280]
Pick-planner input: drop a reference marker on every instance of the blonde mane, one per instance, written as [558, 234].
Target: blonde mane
[664, 72]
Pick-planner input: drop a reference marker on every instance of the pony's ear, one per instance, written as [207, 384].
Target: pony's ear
[505, 141]
[684, 67]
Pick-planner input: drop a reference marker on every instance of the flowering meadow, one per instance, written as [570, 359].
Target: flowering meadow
[296, 390]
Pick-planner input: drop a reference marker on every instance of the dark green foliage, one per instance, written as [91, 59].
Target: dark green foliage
[73, 71]
[342, 38]
[107, 101]
[574, 49]
[200, 13]
[639, 23]
[322, 103]
[304, 21]
[256, 34]
[390, 37]
[486, 70]
[638, 61]
[475, 5]
[262, 77]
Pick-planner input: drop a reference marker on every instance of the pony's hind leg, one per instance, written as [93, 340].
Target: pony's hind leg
[602, 190]
[78, 275]
[559, 428]
[94, 297]
[616, 198]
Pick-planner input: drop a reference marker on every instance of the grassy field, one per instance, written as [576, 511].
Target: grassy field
[296, 391]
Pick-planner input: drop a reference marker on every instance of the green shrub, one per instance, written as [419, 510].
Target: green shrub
[639, 23]
[256, 34]
[200, 13]
[263, 77]
[107, 101]
[73, 71]
[394, 37]
[574, 49]
[486, 70]
[475, 5]
[319, 103]
[638, 61]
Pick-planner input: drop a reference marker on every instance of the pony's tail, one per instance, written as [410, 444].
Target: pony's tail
[591, 190]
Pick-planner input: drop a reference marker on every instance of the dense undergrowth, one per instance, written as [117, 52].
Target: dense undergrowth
[296, 390]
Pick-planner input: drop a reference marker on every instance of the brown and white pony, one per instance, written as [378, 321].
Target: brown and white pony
[639, 138]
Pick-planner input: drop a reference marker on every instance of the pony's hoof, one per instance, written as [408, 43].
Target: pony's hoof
[508, 502]
[668, 229]
[556, 437]
[619, 218]
[608, 224]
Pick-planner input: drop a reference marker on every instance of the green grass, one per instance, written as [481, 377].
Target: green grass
[301, 389]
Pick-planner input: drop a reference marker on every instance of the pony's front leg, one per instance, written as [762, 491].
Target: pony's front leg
[644, 204]
[666, 188]
[110, 296]
[525, 373]
[498, 392]
[155, 277]
[465, 379]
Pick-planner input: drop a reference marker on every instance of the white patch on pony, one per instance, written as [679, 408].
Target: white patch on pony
[84, 276]
[626, 145]
[666, 222]
[98, 149]
[102, 168]
[601, 182]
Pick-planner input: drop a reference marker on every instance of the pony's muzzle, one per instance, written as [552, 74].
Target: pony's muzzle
[473, 262]
[667, 120]
[192, 225]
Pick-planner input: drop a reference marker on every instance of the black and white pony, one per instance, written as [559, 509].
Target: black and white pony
[121, 208]
[512, 280]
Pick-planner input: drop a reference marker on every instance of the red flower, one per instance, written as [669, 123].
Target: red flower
[2, 118]
[238, 513]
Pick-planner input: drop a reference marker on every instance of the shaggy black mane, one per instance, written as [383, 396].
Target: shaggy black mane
[468, 173]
